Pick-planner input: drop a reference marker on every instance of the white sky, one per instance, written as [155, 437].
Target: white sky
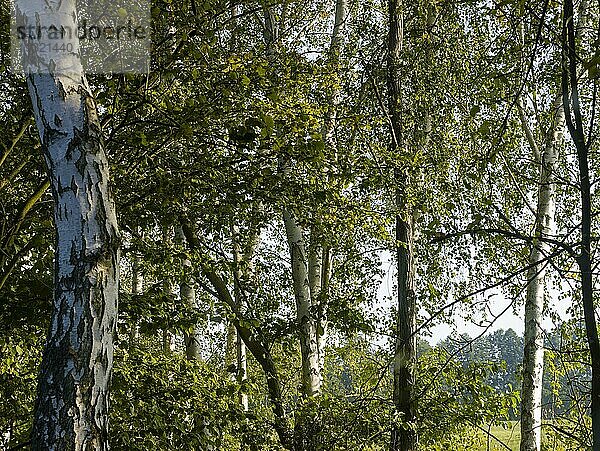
[497, 303]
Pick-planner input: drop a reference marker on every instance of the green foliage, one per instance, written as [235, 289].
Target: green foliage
[20, 356]
[453, 399]
[165, 402]
[228, 130]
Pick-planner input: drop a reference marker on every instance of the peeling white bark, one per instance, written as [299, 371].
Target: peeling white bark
[71, 410]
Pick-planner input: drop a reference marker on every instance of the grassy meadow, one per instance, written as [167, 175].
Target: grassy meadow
[509, 435]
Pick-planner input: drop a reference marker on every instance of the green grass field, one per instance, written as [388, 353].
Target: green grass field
[510, 436]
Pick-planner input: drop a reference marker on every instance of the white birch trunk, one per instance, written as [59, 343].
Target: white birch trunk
[240, 275]
[242, 370]
[167, 337]
[311, 371]
[322, 258]
[533, 351]
[230, 350]
[187, 294]
[311, 263]
[71, 409]
[315, 282]
[137, 285]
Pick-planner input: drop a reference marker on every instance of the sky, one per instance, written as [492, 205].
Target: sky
[510, 319]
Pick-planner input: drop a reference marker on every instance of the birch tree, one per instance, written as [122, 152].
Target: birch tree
[533, 350]
[243, 284]
[311, 263]
[253, 339]
[403, 436]
[187, 294]
[73, 388]
[544, 228]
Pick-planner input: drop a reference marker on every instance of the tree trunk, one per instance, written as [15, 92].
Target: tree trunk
[307, 327]
[187, 293]
[167, 337]
[311, 264]
[533, 353]
[311, 270]
[533, 350]
[326, 266]
[304, 271]
[230, 350]
[137, 286]
[240, 276]
[403, 436]
[323, 255]
[191, 338]
[574, 122]
[71, 409]
[259, 350]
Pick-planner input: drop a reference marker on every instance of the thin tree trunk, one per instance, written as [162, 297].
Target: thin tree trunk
[311, 372]
[323, 255]
[310, 262]
[311, 270]
[270, 31]
[167, 337]
[71, 409]
[187, 294]
[306, 427]
[259, 350]
[231, 350]
[574, 122]
[137, 286]
[263, 356]
[241, 267]
[321, 307]
[533, 350]
[403, 436]
[192, 337]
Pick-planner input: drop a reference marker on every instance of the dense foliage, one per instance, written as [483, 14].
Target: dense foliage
[253, 112]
